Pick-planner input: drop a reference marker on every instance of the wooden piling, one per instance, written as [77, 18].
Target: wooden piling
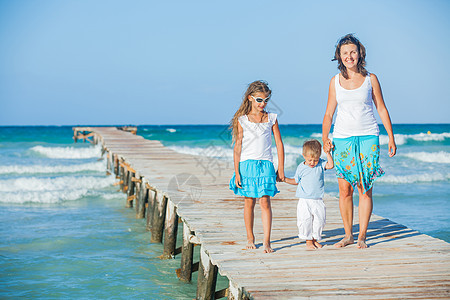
[187, 255]
[159, 215]
[141, 199]
[170, 230]
[130, 188]
[150, 207]
[207, 277]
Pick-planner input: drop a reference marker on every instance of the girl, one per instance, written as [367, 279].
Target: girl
[355, 136]
[255, 175]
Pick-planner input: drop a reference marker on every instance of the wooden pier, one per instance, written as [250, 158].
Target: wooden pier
[165, 186]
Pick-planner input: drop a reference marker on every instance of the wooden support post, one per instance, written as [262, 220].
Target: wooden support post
[187, 254]
[150, 208]
[116, 165]
[141, 199]
[170, 231]
[207, 277]
[108, 161]
[236, 293]
[122, 176]
[130, 189]
[159, 215]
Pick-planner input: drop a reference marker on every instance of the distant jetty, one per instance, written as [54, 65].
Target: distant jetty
[167, 187]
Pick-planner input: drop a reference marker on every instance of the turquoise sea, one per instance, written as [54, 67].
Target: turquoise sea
[65, 233]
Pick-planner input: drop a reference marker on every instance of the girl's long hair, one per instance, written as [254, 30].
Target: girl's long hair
[246, 106]
[350, 39]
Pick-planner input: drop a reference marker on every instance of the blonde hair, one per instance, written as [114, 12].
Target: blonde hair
[312, 148]
[246, 106]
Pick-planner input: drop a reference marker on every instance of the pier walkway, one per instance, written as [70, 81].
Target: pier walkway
[165, 186]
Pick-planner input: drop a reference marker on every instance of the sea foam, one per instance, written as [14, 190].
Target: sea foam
[431, 157]
[51, 190]
[57, 169]
[68, 152]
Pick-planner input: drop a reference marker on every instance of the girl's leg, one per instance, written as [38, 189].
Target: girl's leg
[266, 215]
[249, 217]
[346, 208]
[365, 211]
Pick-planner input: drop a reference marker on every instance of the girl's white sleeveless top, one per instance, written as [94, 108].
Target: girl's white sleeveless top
[257, 138]
[355, 116]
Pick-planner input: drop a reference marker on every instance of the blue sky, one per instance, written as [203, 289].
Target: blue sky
[189, 62]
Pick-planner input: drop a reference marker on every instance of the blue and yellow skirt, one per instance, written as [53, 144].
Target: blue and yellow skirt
[258, 178]
[356, 159]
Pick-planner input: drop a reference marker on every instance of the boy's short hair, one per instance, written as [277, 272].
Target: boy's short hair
[312, 148]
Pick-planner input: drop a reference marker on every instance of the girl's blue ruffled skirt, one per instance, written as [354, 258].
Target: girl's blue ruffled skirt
[258, 178]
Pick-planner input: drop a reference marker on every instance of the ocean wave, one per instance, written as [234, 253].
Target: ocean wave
[171, 130]
[55, 183]
[416, 178]
[211, 151]
[68, 152]
[432, 157]
[51, 190]
[42, 169]
[401, 139]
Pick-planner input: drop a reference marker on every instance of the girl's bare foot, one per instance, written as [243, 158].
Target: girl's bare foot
[317, 244]
[267, 248]
[250, 245]
[361, 244]
[344, 242]
[310, 245]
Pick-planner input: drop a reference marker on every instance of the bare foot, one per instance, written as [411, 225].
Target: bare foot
[310, 245]
[267, 248]
[250, 245]
[361, 244]
[344, 242]
[317, 244]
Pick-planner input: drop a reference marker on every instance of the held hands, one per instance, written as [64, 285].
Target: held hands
[327, 145]
[280, 178]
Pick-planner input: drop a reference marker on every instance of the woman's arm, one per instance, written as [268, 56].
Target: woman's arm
[237, 155]
[328, 118]
[280, 150]
[377, 96]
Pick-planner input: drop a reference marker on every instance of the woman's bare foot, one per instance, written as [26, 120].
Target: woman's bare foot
[310, 245]
[361, 244]
[344, 242]
[267, 248]
[250, 245]
[317, 244]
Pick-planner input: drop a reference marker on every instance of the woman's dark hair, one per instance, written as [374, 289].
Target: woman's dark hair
[350, 39]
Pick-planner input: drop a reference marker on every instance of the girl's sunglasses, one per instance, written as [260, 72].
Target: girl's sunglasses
[259, 99]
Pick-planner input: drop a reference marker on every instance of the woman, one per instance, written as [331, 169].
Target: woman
[355, 136]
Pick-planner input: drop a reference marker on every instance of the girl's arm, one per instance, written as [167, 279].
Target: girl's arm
[280, 150]
[330, 163]
[237, 155]
[377, 96]
[328, 118]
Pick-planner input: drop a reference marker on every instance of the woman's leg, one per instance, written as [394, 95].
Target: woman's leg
[266, 215]
[346, 208]
[249, 217]
[365, 211]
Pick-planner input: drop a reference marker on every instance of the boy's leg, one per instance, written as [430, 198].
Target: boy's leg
[304, 223]
[319, 220]
[249, 217]
[266, 215]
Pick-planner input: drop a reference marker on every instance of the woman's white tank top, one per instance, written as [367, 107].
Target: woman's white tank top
[257, 138]
[355, 116]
